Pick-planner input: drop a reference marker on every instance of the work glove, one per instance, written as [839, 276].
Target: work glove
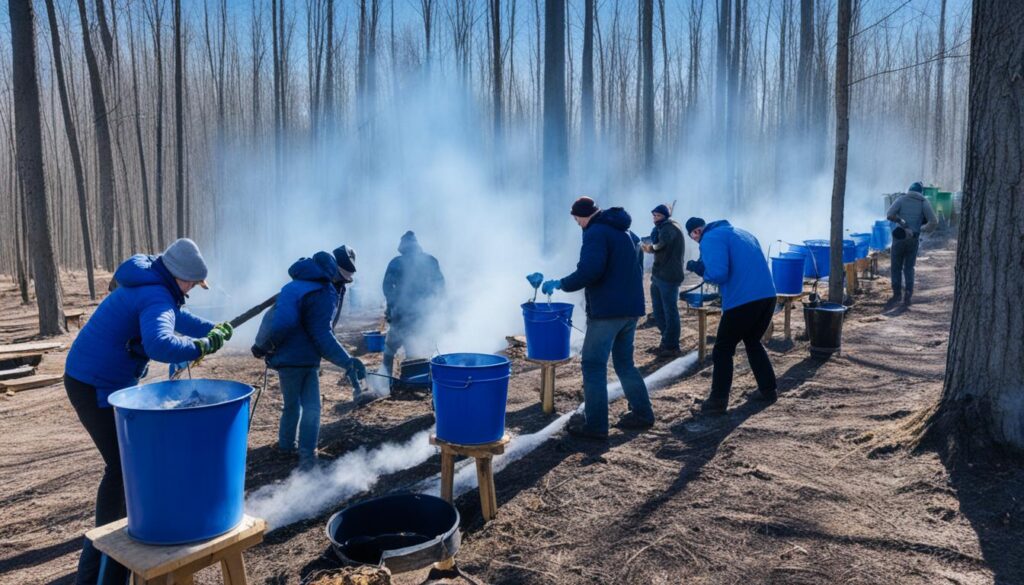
[258, 352]
[209, 344]
[696, 267]
[535, 279]
[356, 369]
[551, 286]
[226, 330]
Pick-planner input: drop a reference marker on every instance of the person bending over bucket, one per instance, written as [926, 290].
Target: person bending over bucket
[611, 275]
[413, 287]
[142, 319]
[914, 214]
[295, 338]
[732, 259]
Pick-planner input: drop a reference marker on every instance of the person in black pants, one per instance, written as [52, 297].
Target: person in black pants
[732, 259]
[142, 319]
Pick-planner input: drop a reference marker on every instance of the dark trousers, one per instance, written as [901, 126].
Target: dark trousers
[904, 259]
[99, 423]
[746, 323]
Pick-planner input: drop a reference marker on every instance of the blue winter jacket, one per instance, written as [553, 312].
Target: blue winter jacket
[303, 327]
[609, 268]
[733, 260]
[138, 322]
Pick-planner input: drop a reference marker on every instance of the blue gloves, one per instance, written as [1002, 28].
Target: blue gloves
[535, 279]
[696, 266]
[551, 286]
[356, 369]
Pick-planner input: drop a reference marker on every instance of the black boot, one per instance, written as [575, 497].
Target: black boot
[906, 298]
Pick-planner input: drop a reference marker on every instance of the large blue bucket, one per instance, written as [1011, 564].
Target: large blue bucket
[849, 251]
[788, 273]
[804, 253]
[881, 234]
[374, 341]
[470, 392]
[817, 255]
[183, 445]
[863, 243]
[547, 330]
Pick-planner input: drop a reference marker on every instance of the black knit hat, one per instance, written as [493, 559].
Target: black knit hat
[694, 223]
[584, 207]
[345, 258]
[662, 209]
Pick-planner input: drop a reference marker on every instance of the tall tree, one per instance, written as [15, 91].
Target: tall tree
[940, 81]
[587, 81]
[156, 21]
[556, 148]
[105, 152]
[835, 285]
[30, 166]
[647, 61]
[497, 66]
[805, 64]
[71, 131]
[179, 124]
[144, 177]
[981, 402]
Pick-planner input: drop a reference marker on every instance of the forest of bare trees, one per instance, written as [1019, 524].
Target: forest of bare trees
[146, 104]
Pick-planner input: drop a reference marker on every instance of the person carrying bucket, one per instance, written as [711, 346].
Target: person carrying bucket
[667, 245]
[732, 259]
[142, 319]
[612, 279]
[294, 340]
[914, 214]
[413, 287]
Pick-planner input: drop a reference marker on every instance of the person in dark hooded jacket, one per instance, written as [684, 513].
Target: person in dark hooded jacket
[667, 246]
[914, 214]
[143, 319]
[300, 335]
[413, 287]
[611, 277]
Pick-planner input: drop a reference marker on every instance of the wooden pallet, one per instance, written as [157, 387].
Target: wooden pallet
[17, 372]
[17, 350]
[30, 382]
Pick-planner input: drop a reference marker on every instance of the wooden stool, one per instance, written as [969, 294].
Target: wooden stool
[484, 472]
[702, 328]
[547, 382]
[852, 287]
[787, 310]
[177, 564]
[75, 316]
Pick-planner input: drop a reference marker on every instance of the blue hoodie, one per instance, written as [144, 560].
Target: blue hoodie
[302, 331]
[145, 313]
[733, 260]
[609, 268]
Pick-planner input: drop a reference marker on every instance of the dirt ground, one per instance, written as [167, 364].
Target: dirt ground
[803, 491]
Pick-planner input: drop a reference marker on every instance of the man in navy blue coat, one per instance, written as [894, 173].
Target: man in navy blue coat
[732, 259]
[611, 276]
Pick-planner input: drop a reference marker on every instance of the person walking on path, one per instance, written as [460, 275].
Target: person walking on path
[612, 279]
[732, 259]
[299, 335]
[667, 245]
[413, 287]
[143, 319]
[914, 214]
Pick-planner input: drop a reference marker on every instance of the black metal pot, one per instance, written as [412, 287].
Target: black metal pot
[403, 532]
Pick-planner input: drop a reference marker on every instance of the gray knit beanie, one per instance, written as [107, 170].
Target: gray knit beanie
[184, 262]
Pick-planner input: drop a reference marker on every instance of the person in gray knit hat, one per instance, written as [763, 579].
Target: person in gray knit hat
[185, 262]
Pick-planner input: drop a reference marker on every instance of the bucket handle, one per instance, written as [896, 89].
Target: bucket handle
[469, 382]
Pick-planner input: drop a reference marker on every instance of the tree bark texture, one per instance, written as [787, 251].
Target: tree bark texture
[836, 271]
[556, 149]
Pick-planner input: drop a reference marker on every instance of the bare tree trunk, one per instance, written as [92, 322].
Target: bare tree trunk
[981, 402]
[328, 105]
[103, 145]
[76, 154]
[30, 167]
[179, 124]
[158, 179]
[722, 63]
[939, 90]
[497, 65]
[556, 150]
[144, 179]
[835, 281]
[647, 48]
[805, 64]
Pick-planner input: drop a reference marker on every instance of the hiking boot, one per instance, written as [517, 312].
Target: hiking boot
[284, 453]
[632, 420]
[577, 427]
[762, 396]
[893, 300]
[906, 299]
[671, 352]
[647, 323]
[708, 408]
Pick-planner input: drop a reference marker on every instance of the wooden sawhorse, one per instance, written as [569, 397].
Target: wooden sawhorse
[177, 564]
[484, 472]
[547, 382]
[787, 309]
[702, 328]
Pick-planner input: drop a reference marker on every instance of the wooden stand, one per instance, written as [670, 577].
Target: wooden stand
[787, 309]
[852, 286]
[702, 328]
[484, 472]
[176, 565]
[547, 383]
[75, 316]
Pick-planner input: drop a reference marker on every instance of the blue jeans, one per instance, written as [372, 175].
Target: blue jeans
[903, 261]
[611, 337]
[665, 300]
[301, 413]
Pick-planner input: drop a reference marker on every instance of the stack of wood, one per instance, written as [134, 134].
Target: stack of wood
[18, 366]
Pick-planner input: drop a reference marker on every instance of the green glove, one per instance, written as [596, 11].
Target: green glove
[226, 329]
[204, 346]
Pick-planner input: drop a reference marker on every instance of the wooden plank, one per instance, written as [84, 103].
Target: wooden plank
[547, 388]
[233, 570]
[488, 494]
[72, 313]
[152, 561]
[18, 372]
[447, 475]
[30, 382]
[483, 450]
[31, 347]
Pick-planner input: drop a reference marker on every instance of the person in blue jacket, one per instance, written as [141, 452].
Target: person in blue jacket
[143, 319]
[300, 334]
[611, 275]
[732, 259]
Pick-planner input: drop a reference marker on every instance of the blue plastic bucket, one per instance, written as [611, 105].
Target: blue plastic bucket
[374, 341]
[881, 234]
[183, 445]
[470, 392]
[863, 243]
[817, 255]
[806, 255]
[849, 251]
[548, 326]
[788, 273]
